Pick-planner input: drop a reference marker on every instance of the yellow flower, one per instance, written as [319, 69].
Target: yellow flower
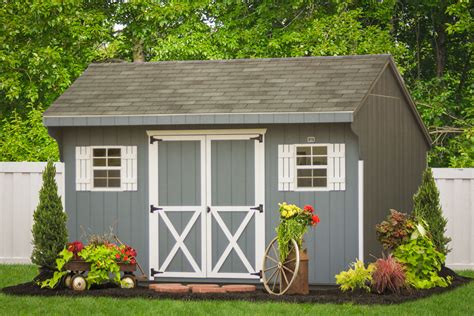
[283, 213]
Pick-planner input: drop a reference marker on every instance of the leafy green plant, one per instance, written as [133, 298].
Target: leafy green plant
[357, 277]
[49, 228]
[64, 256]
[422, 262]
[103, 263]
[427, 207]
[24, 138]
[294, 223]
[395, 230]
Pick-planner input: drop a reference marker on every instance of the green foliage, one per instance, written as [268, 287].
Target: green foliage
[49, 227]
[103, 263]
[422, 263]
[395, 230]
[427, 207]
[44, 46]
[26, 138]
[63, 257]
[357, 277]
[450, 118]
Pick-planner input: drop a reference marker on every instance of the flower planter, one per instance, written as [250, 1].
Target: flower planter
[300, 284]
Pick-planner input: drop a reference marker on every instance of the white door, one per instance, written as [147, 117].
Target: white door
[235, 219]
[206, 205]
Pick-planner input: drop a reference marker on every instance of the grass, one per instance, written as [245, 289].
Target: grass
[457, 302]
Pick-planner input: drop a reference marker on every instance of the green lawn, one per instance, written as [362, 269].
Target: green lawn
[457, 302]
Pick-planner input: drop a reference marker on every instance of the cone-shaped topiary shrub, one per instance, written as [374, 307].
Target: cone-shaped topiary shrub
[49, 228]
[427, 207]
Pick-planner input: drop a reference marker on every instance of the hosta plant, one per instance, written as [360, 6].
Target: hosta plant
[294, 223]
[395, 230]
[388, 276]
[357, 277]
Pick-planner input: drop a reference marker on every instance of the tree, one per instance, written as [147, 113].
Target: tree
[44, 46]
[26, 138]
[427, 207]
[49, 228]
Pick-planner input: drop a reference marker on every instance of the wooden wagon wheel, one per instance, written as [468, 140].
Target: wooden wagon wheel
[278, 276]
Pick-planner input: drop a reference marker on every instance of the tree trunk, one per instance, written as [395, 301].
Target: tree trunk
[439, 39]
[138, 54]
[440, 51]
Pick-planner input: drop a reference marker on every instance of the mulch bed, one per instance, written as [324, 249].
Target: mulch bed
[318, 295]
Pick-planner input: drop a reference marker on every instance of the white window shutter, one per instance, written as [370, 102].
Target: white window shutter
[337, 167]
[129, 168]
[83, 168]
[286, 167]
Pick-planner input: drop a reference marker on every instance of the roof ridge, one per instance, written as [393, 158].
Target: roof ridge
[237, 60]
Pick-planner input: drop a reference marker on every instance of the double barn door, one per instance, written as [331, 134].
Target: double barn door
[206, 205]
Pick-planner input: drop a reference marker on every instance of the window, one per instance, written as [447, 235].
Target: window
[106, 167]
[312, 166]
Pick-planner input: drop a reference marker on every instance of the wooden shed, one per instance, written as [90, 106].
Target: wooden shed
[188, 160]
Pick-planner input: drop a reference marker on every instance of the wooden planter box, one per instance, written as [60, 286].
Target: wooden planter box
[81, 265]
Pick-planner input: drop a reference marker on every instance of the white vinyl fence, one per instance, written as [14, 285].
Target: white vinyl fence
[20, 183]
[456, 188]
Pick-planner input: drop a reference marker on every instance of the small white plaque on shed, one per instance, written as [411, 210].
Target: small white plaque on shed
[311, 139]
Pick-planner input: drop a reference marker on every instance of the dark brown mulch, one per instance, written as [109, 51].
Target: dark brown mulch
[317, 295]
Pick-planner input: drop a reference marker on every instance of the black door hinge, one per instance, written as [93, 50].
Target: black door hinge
[154, 139]
[258, 208]
[153, 272]
[259, 274]
[208, 209]
[154, 208]
[259, 138]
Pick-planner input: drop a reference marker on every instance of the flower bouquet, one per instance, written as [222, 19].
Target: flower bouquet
[294, 223]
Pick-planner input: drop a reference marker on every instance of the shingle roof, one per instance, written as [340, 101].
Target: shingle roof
[305, 84]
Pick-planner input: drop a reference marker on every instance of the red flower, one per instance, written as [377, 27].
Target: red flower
[308, 208]
[125, 258]
[133, 261]
[315, 220]
[75, 246]
[117, 256]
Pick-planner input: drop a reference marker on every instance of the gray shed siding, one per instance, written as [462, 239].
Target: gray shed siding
[331, 246]
[394, 149]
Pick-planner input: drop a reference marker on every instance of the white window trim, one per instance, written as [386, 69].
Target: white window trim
[117, 189]
[311, 189]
